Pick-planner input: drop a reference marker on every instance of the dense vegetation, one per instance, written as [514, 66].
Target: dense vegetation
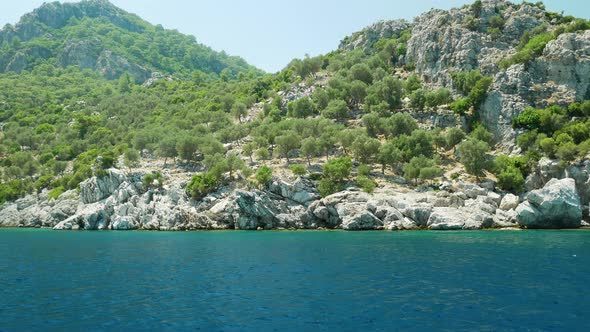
[80, 33]
[60, 126]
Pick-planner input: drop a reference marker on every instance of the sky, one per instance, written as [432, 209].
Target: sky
[270, 33]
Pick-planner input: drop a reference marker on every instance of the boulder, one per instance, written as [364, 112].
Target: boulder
[509, 202]
[505, 219]
[420, 213]
[363, 220]
[446, 219]
[479, 220]
[470, 190]
[557, 205]
[9, 215]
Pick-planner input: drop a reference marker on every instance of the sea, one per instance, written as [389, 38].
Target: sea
[294, 281]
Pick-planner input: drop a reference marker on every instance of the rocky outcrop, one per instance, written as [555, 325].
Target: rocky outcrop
[119, 201]
[302, 191]
[566, 61]
[98, 188]
[557, 205]
[112, 66]
[371, 34]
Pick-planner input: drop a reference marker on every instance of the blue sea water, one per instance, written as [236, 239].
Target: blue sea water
[294, 281]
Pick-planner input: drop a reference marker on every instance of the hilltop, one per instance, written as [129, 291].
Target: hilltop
[96, 35]
[475, 117]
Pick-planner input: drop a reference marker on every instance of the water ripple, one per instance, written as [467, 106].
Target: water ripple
[294, 281]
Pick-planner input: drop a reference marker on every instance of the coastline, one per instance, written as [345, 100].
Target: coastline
[119, 201]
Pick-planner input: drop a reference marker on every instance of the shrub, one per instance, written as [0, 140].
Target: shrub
[43, 182]
[298, 169]
[511, 179]
[328, 187]
[201, 185]
[480, 133]
[363, 170]
[337, 169]
[461, 106]
[153, 180]
[412, 169]
[366, 184]
[531, 50]
[429, 173]
[567, 151]
[453, 137]
[56, 192]
[264, 175]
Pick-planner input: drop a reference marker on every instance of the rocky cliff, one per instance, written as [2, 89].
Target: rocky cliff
[119, 201]
[443, 42]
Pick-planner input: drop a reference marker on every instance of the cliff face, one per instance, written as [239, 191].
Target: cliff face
[460, 39]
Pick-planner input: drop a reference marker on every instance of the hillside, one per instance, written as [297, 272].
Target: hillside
[96, 35]
[463, 119]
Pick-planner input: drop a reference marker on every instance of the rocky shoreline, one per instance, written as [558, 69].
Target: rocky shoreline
[120, 201]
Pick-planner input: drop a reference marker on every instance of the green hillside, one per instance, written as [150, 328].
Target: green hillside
[96, 35]
[63, 124]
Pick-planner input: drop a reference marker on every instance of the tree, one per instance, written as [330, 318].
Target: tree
[248, 150]
[167, 148]
[389, 89]
[567, 151]
[187, 147]
[401, 124]
[429, 173]
[310, 148]
[238, 110]
[320, 99]
[301, 108]
[453, 137]
[472, 153]
[125, 83]
[418, 143]
[413, 83]
[438, 97]
[372, 122]
[479, 92]
[357, 91]
[334, 173]
[361, 72]
[131, 157]
[233, 162]
[337, 109]
[511, 178]
[461, 106]
[389, 155]
[262, 153]
[287, 143]
[413, 168]
[418, 100]
[365, 148]
[337, 169]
